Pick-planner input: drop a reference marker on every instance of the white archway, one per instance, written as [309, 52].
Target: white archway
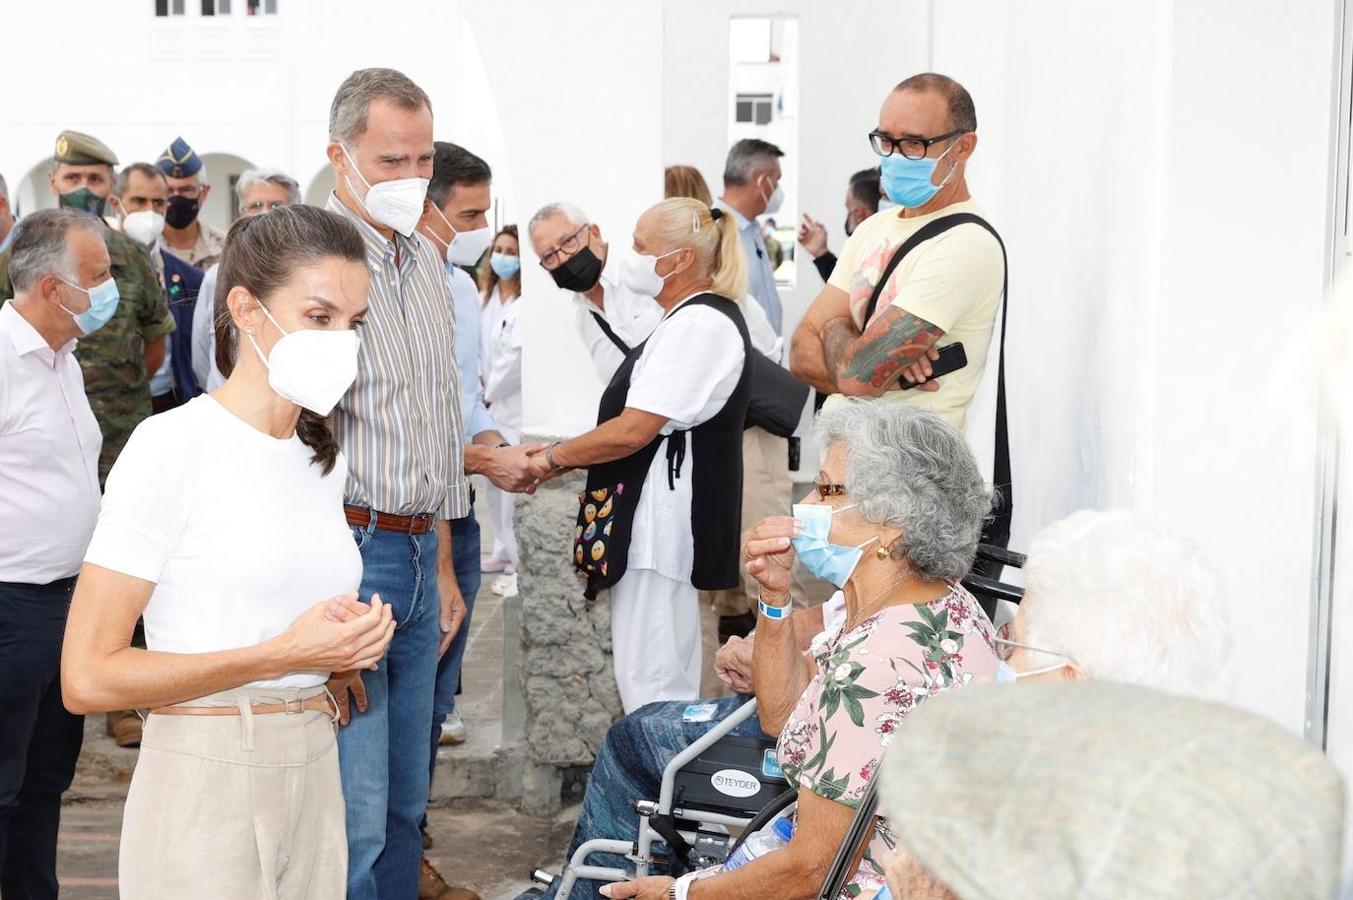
[320, 186]
[222, 170]
[33, 191]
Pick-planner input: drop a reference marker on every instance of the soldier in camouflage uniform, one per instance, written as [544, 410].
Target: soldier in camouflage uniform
[115, 357]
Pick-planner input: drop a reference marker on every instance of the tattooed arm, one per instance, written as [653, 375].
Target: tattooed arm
[869, 364]
[807, 359]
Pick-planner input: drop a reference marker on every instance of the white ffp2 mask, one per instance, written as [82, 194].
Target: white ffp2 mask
[639, 271]
[466, 247]
[144, 226]
[397, 204]
[310, 367]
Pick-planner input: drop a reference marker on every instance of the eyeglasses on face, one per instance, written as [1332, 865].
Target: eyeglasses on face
[911, 147]
[567, 247]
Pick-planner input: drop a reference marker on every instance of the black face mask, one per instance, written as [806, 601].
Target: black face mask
[579, 272]
[182, 212]
[850, 227]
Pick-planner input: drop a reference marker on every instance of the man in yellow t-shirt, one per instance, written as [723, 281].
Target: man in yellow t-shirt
[946, 290]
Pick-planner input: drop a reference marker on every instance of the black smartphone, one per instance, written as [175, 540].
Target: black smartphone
[952, 358]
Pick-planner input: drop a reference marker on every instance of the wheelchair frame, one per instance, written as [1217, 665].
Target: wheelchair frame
[640, 852]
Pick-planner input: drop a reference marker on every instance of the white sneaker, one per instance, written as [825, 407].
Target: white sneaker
[453, 729]
[505, 585]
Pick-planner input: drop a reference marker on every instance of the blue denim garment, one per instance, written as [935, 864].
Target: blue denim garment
[465, 560]
[383, 752]
[629, 768]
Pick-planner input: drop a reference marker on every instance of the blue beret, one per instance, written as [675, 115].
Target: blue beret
[179, 161]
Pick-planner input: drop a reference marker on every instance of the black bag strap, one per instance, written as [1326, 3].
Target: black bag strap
[606, 330]
[1001, 467]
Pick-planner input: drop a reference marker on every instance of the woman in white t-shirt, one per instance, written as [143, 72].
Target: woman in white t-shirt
[500, 369]
[222, 525]
[660, 518]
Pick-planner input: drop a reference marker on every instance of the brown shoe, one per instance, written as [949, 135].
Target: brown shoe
[431, 886]
[125, 727]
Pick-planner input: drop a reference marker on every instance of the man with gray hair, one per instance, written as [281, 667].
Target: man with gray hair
[400, 429]
[6, 215]
[49, 501]
[258, 191]
[611, 319]
[751, 188]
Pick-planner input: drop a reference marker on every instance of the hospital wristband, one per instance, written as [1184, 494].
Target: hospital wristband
[680, 887]
[774, 612]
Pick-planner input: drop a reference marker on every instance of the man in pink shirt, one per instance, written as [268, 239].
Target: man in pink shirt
[49, 501]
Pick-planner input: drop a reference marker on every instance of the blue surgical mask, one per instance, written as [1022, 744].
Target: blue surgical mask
[103, 300]
[907, 182]
[505, 265]
[819, 555]
[884, 894]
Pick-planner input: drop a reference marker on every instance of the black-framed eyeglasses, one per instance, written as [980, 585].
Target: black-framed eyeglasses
[567, 247]
[911, 147]
[827, 489]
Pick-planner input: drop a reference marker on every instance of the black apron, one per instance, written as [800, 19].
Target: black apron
[606, 507]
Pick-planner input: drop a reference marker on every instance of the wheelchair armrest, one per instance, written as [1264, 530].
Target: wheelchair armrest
[997, 590]
[1001, 555]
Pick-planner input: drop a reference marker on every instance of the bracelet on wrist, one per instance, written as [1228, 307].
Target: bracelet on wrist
[775, 611]
[549, 457]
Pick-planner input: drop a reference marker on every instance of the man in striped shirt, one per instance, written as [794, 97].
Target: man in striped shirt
[400, 429]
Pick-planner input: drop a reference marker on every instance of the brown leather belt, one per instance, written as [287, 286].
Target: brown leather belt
[360, 516]
[317, 703]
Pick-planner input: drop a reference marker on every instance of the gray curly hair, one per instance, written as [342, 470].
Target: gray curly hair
[908, 469]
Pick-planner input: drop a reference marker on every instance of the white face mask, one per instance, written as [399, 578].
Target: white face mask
[639, 271]
[466, 247]
[310, 367]
[774, 201]
[144, 226]
[396, 204]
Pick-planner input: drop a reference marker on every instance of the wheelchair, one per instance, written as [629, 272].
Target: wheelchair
[724, 787]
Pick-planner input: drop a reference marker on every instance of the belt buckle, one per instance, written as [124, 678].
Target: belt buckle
[288, 704]
[420, 518]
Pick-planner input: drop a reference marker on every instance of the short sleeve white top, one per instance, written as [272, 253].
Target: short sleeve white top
[688, 370]
[239, 531]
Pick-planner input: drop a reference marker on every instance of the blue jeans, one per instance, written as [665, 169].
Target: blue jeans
[629, 768]
[465, 560]
[383, 752]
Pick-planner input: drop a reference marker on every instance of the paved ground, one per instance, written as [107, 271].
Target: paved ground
[480, 846]
[488, 847]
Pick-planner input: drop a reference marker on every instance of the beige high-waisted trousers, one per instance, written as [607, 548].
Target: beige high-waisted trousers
[234, 807]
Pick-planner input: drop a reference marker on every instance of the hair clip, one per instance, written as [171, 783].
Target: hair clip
[695, 221]
[715, 214]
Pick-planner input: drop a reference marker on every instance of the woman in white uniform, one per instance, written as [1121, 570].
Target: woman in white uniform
[659, 519]
[500, 369]
[222, 524]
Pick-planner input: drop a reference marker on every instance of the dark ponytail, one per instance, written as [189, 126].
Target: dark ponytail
[261, 255]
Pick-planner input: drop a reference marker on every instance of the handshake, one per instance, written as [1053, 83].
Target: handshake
[519, 469]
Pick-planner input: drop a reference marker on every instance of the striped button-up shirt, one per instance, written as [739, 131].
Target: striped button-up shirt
[400, 424]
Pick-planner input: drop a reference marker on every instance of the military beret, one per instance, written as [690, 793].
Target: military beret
[80, 149]
[179, 160]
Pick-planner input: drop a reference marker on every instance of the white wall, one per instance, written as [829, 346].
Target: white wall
[585, 127]
[1152, 273]
[256, 87]
[842, 83]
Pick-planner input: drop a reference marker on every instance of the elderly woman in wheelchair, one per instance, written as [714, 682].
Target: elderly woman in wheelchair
[893, 521]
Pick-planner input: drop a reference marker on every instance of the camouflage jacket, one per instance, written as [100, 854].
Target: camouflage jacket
[113, 358]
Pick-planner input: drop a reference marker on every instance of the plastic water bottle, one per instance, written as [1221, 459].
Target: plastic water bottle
[761, 843]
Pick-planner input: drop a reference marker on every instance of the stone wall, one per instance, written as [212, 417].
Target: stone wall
[566, 677]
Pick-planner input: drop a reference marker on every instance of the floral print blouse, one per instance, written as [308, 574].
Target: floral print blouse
[868, 679]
